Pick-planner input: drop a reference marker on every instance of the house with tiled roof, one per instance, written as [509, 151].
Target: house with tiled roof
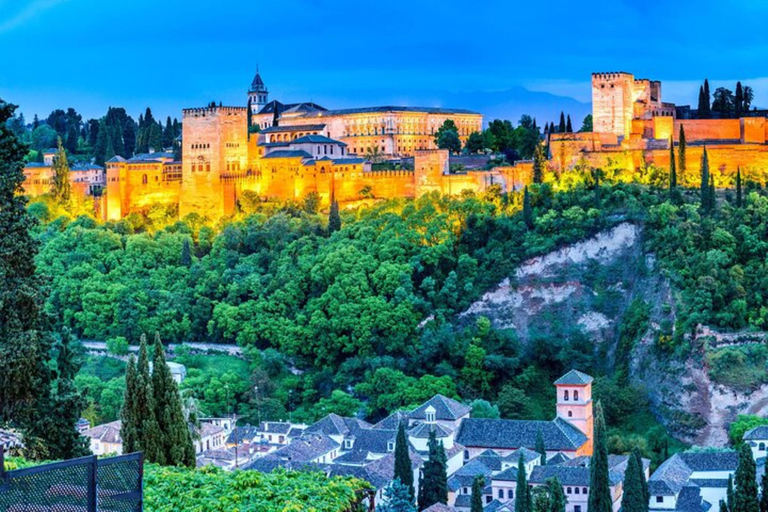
[692, 481]
[757, 440]
[440, 507]
[442, 410]
[569, 433]
[105, 438]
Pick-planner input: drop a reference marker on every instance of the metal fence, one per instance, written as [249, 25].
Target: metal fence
[87, 484]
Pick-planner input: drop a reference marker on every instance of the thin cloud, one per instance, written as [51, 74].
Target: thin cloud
[26, 13]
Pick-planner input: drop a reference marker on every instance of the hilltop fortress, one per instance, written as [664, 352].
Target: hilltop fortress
[275, 151]
[633, 127]
[278, 151]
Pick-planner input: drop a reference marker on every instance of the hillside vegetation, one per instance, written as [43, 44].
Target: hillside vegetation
[365, 319]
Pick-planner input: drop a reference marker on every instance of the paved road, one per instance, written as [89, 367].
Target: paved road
[232, 350]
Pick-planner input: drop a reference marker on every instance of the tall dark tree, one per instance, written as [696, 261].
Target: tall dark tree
[568, 125]
[276, 115]
[644, 483]
[672, 165]
[730, 494]
[129, 138]
[739, 193]
[186, 253]
[703, 104]
[62, 189]
[586, 125]
[168, 134]
[403, 465]
[477, 494]
[764, 492]
[704, 194]
[540, 447]
[599, 499]
[30, 393]
[633, 499]
[176, 441]
[334, 218]
[156, 137]
[539, 163]
[707, 96]
[682, 176]
[562, 127]
[527, 209]
[746, 497]
[557, 498]
[129, 423]
[738, 100]
[522, 499]
[433, 484]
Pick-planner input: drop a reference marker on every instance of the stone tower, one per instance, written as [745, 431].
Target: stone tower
[574, 404]
[258, 94]
[214, 150]
[612, 103]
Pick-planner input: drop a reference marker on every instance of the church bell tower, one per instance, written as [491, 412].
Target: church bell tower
[574, 404]
[258, 95]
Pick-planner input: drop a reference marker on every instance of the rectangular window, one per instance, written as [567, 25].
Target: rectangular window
[659, 499]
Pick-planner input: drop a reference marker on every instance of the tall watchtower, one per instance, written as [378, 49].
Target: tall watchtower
[613, 103]
[214, 149]
[258, 95]
[574, 403]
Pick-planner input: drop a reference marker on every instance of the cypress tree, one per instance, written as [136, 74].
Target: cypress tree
[186, 253]
[129, 138]
[129, 425]
[540, 448]
[681, 165]
[672, 166]
[712, 199]
[562, 127]
[433, 480]
[403, 466]
[633, 499]
[599, 499]
[723, 506]
[477, 494]
[702, 109]
[156, 137]
[745, 498]
[62, 189]
[729, 494]
[738, 103]
[117, 140]
[150, 437]
[275, 115]
[334, 218]
[643, 481]
[739, 198]
[527, 210]
[707, 96]
[764, 492]
[568, 125]
[522, 498]
[704, 191]
[174, 430]
[539, 161]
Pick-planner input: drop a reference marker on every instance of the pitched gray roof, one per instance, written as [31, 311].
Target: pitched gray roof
[528, 455]
[287, 153]
[300, 451]
[274, 427]
[446, 409]
[575, 378]
[440, 507]
[106, 432]
[512, 434]
[674, 473]
[242, 434]
[392, 422]
[422, 431]
[316, 139]
[335, 425]
[374, 440]
[757, 433]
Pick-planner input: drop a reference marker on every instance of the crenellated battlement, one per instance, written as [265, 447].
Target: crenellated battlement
[203, 111]
[611, 75]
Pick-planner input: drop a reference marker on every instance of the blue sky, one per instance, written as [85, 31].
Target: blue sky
[500, 57]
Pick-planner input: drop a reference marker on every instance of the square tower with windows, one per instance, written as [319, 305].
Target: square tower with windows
[574, 403]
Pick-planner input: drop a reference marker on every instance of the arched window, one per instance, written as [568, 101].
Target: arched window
[144, 179]
[565, 395]
[466, 454]
[583, 490]
[568, 490]
[570, 414]
[501, 494]
[576, 490]
[761, 447]
[510, 494]
[575, 394]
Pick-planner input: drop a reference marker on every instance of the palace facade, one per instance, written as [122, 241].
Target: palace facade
[634, 128]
